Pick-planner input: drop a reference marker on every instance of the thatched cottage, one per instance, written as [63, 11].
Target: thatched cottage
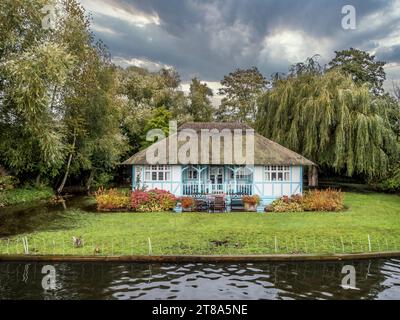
[219, 158]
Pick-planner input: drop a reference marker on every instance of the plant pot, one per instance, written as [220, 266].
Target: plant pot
[250, 207]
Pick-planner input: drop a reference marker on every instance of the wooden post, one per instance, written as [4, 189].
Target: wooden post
[312, 176]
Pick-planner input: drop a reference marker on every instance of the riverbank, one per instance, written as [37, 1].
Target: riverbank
[24, 195]
[371, 224]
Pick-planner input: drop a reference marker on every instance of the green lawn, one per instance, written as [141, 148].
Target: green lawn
[24, 195]
[376, 215]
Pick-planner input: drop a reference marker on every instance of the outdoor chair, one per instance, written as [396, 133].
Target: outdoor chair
[219, 204]
[237, 205]
[201, 205]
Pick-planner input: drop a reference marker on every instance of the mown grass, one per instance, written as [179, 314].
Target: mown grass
[376, 215]
[24, 195]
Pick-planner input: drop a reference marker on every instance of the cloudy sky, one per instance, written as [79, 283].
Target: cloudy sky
[209, 39]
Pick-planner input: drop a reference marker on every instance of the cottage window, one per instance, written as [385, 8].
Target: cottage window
[277, 173]
[241, 174]
[157, 173]
[192, 174]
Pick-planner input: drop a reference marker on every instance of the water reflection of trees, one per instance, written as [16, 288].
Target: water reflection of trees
[122, 281]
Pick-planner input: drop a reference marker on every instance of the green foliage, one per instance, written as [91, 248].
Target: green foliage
[330, 120]
[200, 107]
[391, 183]
[7, 182]
[362, 67]
[24, 195]
[241, 90]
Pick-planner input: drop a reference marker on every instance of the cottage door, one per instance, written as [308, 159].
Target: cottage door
[217, 179]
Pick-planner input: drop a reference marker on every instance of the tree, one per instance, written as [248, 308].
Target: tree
[241, 90]
[362, 67]
[331, 120]
[200, 105]
[32, 66]
[92, 109]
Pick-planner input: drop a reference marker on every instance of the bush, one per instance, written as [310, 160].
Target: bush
[7, 182]
[252, 200]
[152, 201]
[323, 200]
[112, 200]
[287, 204]
[316, 200]
[187, 202]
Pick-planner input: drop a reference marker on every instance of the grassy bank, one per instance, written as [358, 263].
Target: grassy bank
[24, 195]
[373, 215]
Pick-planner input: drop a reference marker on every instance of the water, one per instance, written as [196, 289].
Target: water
[378, 279]
[40, 216]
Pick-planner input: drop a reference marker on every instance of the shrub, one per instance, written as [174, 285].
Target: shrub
[152, 200]
[112, 200]
[287, 204]
[323, 200]
[252, 200]
[7, 182]
[316, 200]
[187, 202]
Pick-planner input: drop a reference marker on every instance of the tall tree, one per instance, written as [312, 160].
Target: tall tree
[331, 120]
[363, 68]
[241, 90]
[92, 113]
[200, 105]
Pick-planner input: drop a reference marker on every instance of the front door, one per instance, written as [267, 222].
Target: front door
[216, 176]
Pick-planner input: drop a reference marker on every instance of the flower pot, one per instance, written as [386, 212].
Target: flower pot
[250, 207]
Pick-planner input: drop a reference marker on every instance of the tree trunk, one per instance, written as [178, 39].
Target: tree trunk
[37, 180]
[64, 180]
[313, 176]
[89, 181]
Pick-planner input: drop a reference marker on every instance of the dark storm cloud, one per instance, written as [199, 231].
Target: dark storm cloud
[211, 38]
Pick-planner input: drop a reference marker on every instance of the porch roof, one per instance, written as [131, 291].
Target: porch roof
[266, 152]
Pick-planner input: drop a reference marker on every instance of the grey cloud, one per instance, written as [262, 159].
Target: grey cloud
[211, 38]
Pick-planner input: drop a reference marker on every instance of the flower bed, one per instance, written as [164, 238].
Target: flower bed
[112, 200]
[317, 200]
[152, 201]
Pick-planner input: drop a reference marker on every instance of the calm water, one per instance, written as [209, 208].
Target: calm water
[378, 279]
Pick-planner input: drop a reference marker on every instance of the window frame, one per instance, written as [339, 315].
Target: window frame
[272, 173]
[153, 173]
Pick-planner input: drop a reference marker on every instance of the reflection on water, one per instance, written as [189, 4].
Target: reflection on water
[379, 279]
[30, 217]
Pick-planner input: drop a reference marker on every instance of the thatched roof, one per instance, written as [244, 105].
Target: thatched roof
[266, 152]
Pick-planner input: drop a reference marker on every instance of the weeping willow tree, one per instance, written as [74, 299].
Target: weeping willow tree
[331, 120]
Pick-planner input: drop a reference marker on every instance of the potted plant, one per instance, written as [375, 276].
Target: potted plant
[251, 202]
[188, 204]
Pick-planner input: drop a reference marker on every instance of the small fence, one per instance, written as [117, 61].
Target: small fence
[229, 189]
[198, 246]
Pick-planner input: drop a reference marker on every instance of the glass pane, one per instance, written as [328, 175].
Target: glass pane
[167, 176]
[161, 176]
[280, 176]
[273, 176]
[154, 176]
[287, 176]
